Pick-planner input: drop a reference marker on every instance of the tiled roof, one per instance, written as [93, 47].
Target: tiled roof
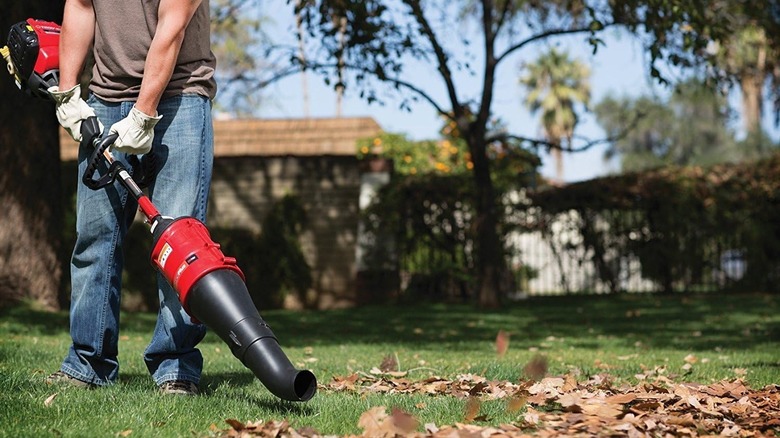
[276, 137]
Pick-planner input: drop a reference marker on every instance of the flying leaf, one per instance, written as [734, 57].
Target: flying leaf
[515, 404]
[389, 363]
[404, 422]
[536, 368]
[472, 409]
[502, 343]
[374, 422]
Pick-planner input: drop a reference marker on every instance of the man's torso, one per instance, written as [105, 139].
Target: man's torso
[123, 33]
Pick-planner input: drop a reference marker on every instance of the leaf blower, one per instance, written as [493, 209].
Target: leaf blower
[210, 285]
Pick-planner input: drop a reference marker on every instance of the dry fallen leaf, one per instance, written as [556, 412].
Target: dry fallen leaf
[563, 406]
[235, 424]
[49, 400]
[376, 423]
[604, 410]
[621, 399]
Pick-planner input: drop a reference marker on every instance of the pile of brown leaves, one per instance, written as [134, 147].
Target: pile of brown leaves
[555, 406]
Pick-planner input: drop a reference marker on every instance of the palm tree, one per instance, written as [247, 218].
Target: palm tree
[749, 57]
[556, 83]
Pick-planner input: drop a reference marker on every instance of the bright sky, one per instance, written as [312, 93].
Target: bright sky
[618, 68]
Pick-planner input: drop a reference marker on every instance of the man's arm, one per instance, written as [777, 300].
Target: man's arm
[78, 31]
[172, 19]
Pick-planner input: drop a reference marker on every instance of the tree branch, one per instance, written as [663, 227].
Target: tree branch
[587, 145]
[441, 57]
[262, 83]
[546, 34]
[490, 65]
[502, 17]
[398, 83]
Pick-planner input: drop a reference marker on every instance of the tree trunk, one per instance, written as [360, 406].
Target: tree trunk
[558, 160]
[752, 84]
[751, 101]
[490, 263]
[30, 197]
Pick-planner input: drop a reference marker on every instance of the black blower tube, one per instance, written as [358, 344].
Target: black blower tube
[221, 301]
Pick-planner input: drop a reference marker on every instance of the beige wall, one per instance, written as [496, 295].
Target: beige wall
[244, 188]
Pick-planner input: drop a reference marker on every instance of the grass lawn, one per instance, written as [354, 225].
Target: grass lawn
[685, 338]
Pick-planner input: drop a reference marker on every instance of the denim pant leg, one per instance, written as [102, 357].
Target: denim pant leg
[183, 148]
[102, 219]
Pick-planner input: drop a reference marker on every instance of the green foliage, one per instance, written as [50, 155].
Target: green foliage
[236, 39]
[688, 128]
[417, 157]
[429, 206]
[272, 261]
[676, 221]
[429, 218]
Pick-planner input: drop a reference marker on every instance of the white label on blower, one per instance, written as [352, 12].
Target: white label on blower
[166, 251]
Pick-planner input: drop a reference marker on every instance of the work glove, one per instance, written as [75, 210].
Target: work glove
[136, 132]
[71, 110]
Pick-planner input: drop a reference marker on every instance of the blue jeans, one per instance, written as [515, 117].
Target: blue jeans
[183, 148]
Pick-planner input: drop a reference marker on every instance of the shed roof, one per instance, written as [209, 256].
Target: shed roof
[275, 137]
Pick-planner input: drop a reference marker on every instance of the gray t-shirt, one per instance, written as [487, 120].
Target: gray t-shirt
[123, 34]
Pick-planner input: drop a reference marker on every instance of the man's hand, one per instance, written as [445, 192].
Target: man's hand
[71, 110]
[136, 132]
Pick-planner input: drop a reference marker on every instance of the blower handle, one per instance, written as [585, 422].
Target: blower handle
[90, 131]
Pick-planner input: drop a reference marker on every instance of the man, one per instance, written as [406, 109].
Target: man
[152, 84]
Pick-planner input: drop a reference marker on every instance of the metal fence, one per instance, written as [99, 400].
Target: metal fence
[549, 254]
[587, 252]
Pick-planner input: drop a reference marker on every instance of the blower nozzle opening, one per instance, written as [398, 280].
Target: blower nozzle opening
[221, 301]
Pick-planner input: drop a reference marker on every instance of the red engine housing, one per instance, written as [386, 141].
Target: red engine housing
[184, 253]
[48, 34]
[33, 46]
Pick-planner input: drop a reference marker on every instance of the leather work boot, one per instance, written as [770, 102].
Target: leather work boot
[179, 387]
[60, 378]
